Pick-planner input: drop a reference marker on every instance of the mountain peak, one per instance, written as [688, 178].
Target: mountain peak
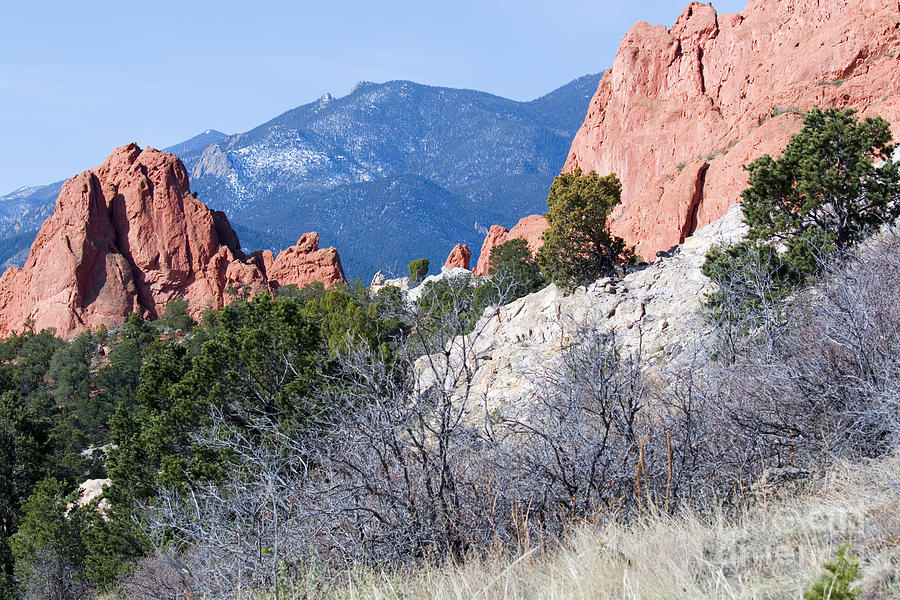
[399, 171]
[360, 85]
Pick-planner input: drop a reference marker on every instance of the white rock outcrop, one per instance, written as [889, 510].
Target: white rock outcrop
[413, 293]
[654, 309]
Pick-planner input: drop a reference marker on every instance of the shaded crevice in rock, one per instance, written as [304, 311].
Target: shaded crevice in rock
[120, 227]
[700, 70]
[690, 225]
[226, 234]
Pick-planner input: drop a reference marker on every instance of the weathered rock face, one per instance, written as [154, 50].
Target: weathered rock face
[459, 257]
[529, 229]
[305, 263]
[683, 109]
[654, 309]
[127, 236]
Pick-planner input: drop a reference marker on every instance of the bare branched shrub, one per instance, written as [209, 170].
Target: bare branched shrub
[52, 576]
[247, 531]
[827, 386]
[404, 469]
[408, 463]
[392, 473]
[159, 577]
[407, 460]
[584, 443]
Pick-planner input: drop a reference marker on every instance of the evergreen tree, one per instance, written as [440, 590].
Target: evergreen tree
[418, 269]
[578, 246]
[515, 270]
[840, 573]
[834, 182]
[47, 546]
[176, 316]
[347, 322]
[24, 446]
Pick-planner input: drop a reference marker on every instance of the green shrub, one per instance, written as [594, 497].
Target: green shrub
[747, 275]
[825, 192]
[47, 546]
[455, 303]
[304, 294]
[840, 573]
[833, 185]
[176, 316]
[348, 323]
[515, 271]
[578, 246]
[418, 269]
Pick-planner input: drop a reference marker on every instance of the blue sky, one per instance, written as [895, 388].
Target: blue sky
[78, 79]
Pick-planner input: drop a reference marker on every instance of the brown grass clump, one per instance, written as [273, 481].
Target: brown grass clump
[773, 549]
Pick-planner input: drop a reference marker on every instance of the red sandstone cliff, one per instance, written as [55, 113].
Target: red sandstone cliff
[682, 109]
[529, 229]
[458, 258]
[129, 236]
[305, 263]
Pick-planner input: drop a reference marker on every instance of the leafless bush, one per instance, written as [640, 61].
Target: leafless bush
[52, 576]
[584, 445]
[404, 470]
[158, 577]
[389, 476]
[410, 463]
[826, 387]
[247, 531]
[407, 462]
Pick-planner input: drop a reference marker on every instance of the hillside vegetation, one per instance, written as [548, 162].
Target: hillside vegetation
[775, 548]
[321, 443]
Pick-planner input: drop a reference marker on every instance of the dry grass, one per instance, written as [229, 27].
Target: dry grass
[773, 549]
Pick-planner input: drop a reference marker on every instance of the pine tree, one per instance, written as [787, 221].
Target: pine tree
[578, 246]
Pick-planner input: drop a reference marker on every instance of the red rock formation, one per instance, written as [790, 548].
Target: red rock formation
[459, 257]
[305, 263]
[529, 229]
[683, 109]
[127, 236]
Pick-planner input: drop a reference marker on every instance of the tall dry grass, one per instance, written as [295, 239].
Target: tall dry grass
[774, 548]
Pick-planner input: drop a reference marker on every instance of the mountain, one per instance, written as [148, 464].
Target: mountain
[198, 142]
[129, 236]
[391, 171]
[23, 211]
[684, 109]
[21, 215]
[388, 173]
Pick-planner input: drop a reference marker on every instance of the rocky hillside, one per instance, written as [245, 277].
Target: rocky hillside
[684, 108]
[388, 173]
[129, 236]
[655, 308]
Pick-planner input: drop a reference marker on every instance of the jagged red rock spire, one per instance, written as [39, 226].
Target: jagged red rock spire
[304, 263]
[458, 258]
[683, 109]
[128, 236]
